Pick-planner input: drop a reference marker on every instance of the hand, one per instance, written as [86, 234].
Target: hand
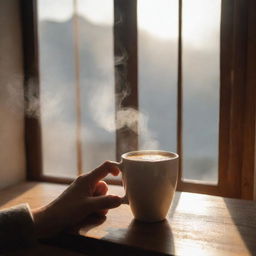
[86, 195]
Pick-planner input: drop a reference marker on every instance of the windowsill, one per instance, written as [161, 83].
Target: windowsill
[197, 225]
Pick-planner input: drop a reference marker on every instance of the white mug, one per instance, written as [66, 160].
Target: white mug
[150, 179]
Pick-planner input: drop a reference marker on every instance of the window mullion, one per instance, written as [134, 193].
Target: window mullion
[126, 72]
[179, 100]
[33, 136]
[77, 87]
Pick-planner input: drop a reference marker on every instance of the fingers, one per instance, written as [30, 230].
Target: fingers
[102, 171]
[101, 189]
[103, 202]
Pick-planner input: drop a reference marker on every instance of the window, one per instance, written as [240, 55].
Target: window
[158, 54]
[199, 82]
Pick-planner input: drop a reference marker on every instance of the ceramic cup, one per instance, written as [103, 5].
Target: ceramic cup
[149, 178]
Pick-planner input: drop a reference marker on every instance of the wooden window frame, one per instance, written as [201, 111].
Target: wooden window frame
[237, 105]
[237, 95]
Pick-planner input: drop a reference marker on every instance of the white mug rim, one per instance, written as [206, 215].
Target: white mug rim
[170, 154]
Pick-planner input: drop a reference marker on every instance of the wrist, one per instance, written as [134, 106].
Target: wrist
[40, 224]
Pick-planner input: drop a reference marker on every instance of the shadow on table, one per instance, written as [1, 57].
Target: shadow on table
[243, 213]
[154, 237]
[138, 239]
[43, 250]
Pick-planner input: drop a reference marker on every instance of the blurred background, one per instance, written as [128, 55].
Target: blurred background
[157, 85]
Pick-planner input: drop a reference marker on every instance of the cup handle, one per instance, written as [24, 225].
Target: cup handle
[119, 165]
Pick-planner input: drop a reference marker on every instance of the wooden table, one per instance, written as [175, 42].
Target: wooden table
[196, 225]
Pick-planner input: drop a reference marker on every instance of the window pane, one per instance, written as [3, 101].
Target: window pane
[97, 81]
[157, 42]
[201, 57]
[57, 79]
[71, 45]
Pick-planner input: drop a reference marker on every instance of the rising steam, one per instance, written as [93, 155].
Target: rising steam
[102, 105]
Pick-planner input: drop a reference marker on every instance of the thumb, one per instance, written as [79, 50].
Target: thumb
[104, 202]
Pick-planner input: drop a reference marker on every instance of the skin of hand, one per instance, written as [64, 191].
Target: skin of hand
[84, 197]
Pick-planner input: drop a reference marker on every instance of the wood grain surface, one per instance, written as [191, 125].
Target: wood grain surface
[196, 224]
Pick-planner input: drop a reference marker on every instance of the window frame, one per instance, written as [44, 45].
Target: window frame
[235, 174]
[237, 95]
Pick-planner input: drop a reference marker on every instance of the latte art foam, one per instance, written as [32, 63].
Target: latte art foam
[149, 157]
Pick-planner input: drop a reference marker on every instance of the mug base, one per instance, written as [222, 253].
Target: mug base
[149, 221]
